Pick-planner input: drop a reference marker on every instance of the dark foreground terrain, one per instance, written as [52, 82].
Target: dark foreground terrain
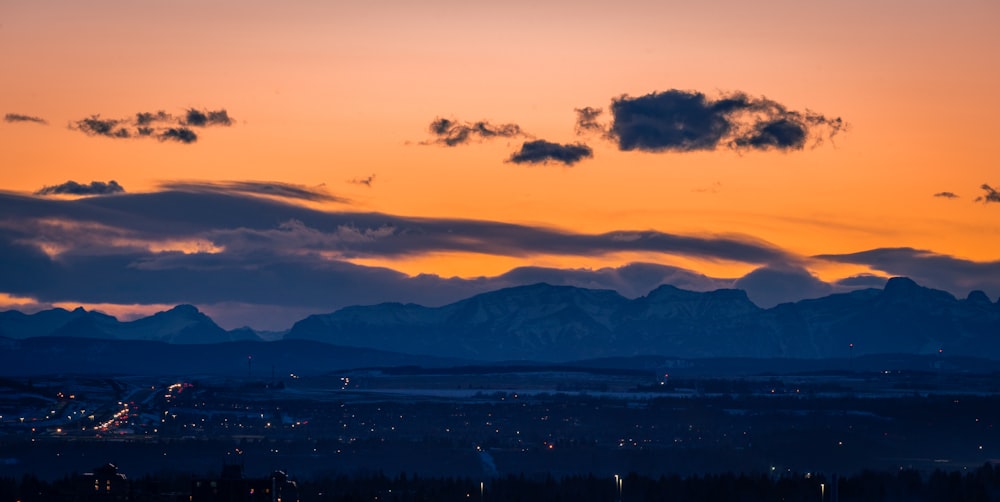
[979, 485]
[524, 432]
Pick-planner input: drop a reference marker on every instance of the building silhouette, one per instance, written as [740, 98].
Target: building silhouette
[104, 484]
[232, 486]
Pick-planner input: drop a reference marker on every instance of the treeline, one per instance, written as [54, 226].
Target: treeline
[978, 485]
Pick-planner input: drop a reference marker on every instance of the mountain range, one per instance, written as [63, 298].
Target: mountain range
[548, 323]
[183, 324]
[562, 323]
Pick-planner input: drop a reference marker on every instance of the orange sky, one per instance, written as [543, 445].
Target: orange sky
[327, 92]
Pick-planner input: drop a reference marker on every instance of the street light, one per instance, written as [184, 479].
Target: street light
[822, 492]
[618, 486]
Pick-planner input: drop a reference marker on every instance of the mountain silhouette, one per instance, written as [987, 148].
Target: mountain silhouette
[181, 324]
[563, 323]
[547, 323]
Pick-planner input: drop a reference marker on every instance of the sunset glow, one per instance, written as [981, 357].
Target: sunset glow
[399, 151]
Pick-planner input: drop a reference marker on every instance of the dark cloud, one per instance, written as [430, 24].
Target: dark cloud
[453, 133]
[74, 188]
[927, 268]
[178, 134]
[946, 195]
[863, 281]
[364, 181]
[94, 125]
[270, 188]
[195, 118]
[586, 120]
[219, 243]
[160, 125]
[541, 152]
[276, 269]
[214, 244]
[771, 285]
[204, 118]
[681, 121]
[782, 133]
[17, 117]
[147, 118]
[240, 225]
[991, 194]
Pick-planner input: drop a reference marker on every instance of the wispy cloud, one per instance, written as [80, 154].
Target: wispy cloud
[147, 118]
[682, 121]
[211, 243]
[160, 125]
[990, 195]
[94, 125]
[946, 195]
[586, 120]
[774, 284]
[448, 132]
[367, 181]
[238, 227]
[178, 134]
[17, 117]
[205, 118]
[74, 188]
[543, 152]
[269, 188]
[863, 281]
[928, 268]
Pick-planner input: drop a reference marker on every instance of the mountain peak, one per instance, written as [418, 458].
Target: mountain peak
[978, 297]
[900, 285]
[185, 308]
[183, 313]
[904, 289]
[730, 294]
[668, 291]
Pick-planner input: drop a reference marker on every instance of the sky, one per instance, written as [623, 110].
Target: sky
[268, 161]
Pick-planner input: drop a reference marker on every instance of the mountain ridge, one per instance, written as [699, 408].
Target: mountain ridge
[560, 323]
[182, 324]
